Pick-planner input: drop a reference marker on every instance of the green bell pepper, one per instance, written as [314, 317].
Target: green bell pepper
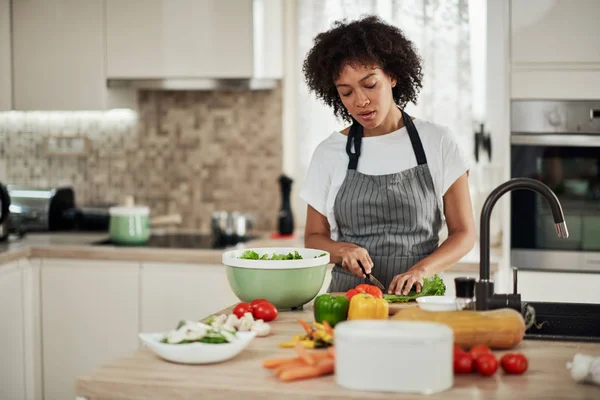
[332, 309]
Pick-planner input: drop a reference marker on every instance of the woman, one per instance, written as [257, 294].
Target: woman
[375, 190]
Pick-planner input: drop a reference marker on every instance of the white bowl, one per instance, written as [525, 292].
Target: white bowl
[196, 353]
[438, 303]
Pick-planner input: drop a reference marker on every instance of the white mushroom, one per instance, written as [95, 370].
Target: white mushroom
[232, 323]
[245, 325]
[219, 321]
[261, 328]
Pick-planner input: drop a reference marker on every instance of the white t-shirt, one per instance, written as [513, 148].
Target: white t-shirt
[381, 155]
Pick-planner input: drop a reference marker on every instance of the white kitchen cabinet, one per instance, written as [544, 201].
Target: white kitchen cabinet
[89, 317]
[172, 292]
[58, 50]
[555, 31]
[32, 332]
[568, 287]
[554, 48]
[166, 39]
[5, 57]
[12, 360]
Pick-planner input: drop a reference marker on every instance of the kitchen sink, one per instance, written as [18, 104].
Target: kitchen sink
[565, 321]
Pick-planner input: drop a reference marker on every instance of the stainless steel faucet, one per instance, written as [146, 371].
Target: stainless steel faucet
[486, 299]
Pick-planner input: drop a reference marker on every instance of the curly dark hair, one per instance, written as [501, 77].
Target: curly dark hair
[365, 41]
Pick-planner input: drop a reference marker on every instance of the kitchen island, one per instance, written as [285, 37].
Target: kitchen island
[143, 375]
[55, 286]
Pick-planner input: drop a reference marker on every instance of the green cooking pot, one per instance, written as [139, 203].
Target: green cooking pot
[129, 225]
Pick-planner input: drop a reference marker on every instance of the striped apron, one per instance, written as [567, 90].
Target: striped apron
[395, 217]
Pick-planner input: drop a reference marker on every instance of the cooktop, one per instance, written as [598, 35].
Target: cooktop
[183, 241]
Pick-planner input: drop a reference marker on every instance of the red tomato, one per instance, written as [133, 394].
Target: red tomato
[486, 364]
[370, 289]
[351, 293]
[463, 363]
[265, 311]
[255, 303]
[458, 350]
[514, 363]
[479, 350]
[241, 309]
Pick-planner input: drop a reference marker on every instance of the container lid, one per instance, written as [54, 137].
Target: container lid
[408, 331]
[129, 211]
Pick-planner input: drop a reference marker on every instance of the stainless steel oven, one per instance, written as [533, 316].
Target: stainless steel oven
[558, 143]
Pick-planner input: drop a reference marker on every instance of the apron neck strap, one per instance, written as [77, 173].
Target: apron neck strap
[415, 140]
[356, 133]
[354, 136]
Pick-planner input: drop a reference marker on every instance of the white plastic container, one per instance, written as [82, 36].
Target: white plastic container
[394, 356]
[438, 303]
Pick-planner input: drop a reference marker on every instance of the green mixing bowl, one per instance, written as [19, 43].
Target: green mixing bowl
[287, 284]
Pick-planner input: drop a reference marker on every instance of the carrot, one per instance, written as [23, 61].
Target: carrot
[326, 366]
[306, 326]
[323, 367]
[289, 366]
[276, 362]
[328, 328]
[304, 355]
[299, 373]
[331, 352]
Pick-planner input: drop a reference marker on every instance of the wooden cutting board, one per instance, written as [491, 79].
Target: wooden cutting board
[393, 307]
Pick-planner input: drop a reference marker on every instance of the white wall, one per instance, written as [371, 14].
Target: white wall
[498, 115]
[5, 57]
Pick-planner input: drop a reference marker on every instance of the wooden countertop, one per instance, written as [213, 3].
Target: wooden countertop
[80, 246]
[145, 376]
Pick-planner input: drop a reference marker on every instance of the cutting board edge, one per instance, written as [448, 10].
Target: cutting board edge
[393, 307]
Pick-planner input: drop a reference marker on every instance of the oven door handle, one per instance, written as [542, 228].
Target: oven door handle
[556, 140]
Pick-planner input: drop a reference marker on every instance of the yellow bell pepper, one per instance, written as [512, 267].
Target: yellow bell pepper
[365, 306]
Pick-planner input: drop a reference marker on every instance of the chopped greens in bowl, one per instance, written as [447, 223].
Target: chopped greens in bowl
[253, 255]
[192, 332]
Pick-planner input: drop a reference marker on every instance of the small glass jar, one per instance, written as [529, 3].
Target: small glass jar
[465, 293]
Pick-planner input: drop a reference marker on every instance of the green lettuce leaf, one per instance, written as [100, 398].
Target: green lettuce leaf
[252, 255]
[431, 287]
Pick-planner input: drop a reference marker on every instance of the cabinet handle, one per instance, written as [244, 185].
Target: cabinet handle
[594, 113]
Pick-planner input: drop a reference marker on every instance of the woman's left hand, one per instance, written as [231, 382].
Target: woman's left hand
[403, 283]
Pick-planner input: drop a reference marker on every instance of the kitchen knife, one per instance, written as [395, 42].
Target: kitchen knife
[371, 278]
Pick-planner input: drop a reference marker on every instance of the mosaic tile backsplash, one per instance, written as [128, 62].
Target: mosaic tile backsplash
[183, 152]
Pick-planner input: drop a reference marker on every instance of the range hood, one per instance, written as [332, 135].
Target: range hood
[194, 84]
[189, 45]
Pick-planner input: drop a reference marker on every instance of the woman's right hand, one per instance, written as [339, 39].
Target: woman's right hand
[350, 257]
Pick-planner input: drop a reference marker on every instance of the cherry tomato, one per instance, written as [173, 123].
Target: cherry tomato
[265, 311]
[255, 303]
[370, 289]
[458, 350]
[463, 363]
[486, 364]
[479, 350]
[514, 363]
[241, 309]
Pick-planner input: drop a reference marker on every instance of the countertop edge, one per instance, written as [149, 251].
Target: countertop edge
[57, 247]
